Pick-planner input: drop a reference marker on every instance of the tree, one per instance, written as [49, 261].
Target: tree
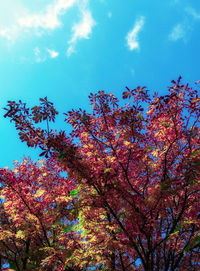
[135, 176]
[37, 217]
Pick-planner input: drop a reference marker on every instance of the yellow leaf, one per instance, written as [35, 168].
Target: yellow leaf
[7, 204]
[2, 197]
[112, 159]
[20, 234]
[32, 217]
[127, 143]
[150, 199]
[63, 198]
[5, 234]
[15, 170]
[155, 153]
[41, 161]
[39, 192]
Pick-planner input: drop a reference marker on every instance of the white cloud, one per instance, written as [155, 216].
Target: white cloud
[178, 32]
[24, 20]
[81, 30]
[40, 55]
[7, 33]
[52, 53]
[132, 36]
[193, 12]
[48, 19]
[182, 31]
[10, 11]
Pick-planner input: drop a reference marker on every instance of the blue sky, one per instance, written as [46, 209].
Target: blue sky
[65, 49]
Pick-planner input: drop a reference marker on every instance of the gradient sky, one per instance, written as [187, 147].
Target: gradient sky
[65, 49]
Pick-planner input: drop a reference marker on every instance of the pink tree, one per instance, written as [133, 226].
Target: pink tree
[137, 174]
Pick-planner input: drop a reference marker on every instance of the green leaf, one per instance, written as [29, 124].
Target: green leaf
[192, 244]
[162, 185]
[194, 153]
[196, 240]
[69, 253]
[165, 123]
[79, 214]
[149, 148]
[67, 265]
[82, 222]
[58, 246]
[73, 193]
[67, 229]
[178, 228]
[122, 213]
[61, 155]
[12, 266]
[186, 248]
[107, 170]
[139, 116]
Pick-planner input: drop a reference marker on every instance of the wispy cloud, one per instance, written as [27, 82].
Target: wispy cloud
[81, 30]
[38, 55]
[182, 30]
[8, 33]
[132, 36]
[52, 53]
[70, 50]
[193, 12]
[48, 20]
[178, 32]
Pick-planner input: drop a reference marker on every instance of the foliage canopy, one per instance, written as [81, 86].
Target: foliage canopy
[130, 200]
